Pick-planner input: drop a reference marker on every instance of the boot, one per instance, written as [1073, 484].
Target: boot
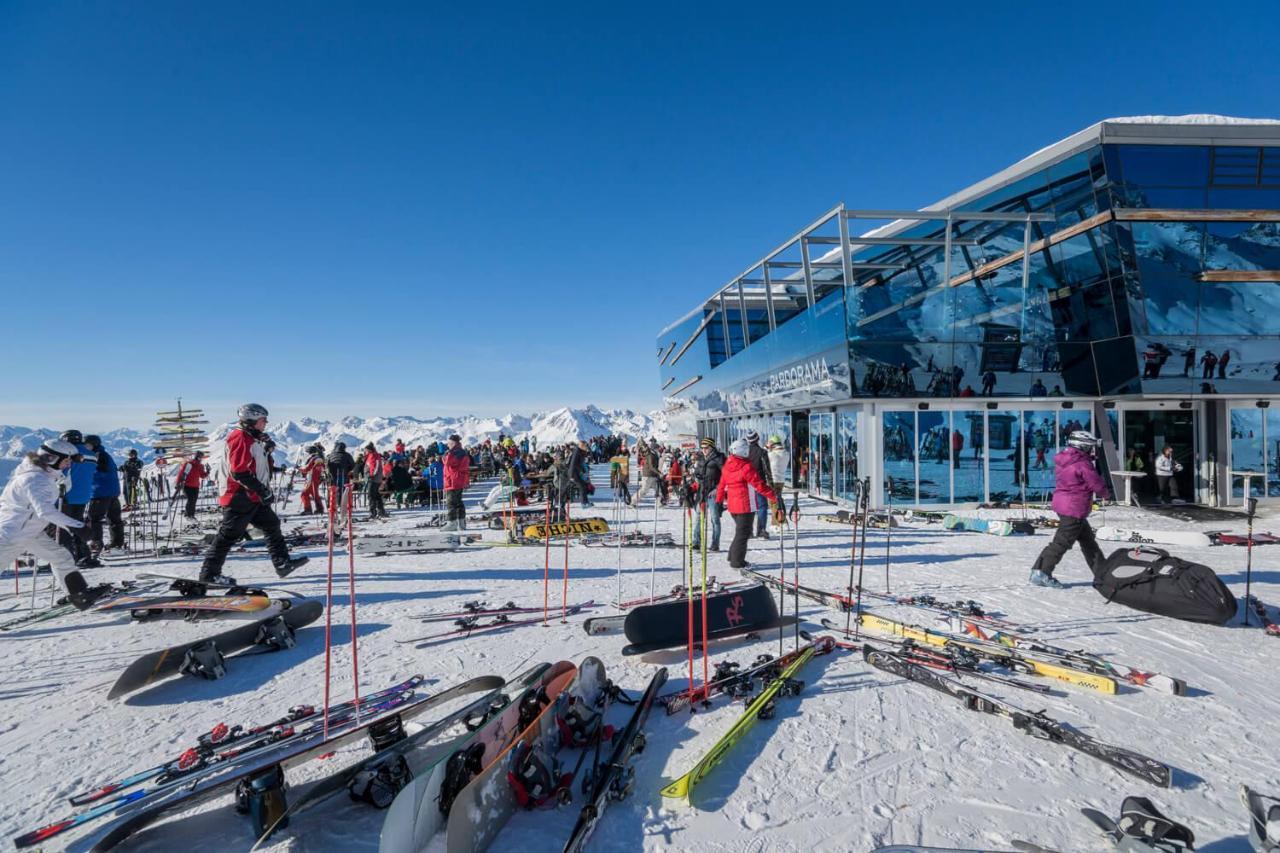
[1039, 578]
[284, 569]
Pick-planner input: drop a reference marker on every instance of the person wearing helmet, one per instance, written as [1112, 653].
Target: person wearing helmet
[29, 504]
[190, 474]
[736, 482]
[104, 500]
[1076, 481]
[312, 472]
[132, 469]
[246, 498]
[77, 493]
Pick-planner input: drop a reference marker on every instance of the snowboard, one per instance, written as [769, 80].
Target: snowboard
[666, 624]
[194, 587]
[160, 664]
[222, 780]
[576, 527]
[485, 805]
[145, 605]
[614, 779]
[978, 525]
[325, 788]
[1185, 538]
[419, 810]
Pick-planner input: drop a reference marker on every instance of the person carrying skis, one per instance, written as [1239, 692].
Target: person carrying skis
[312, 472]
[1076, 481]
[736, 481]
[457, 476]
[190, 474]
[29, 504]
[132, 468]
[247, 498]
[104, 500]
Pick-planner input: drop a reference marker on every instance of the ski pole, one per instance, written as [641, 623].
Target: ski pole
[689, 596]
[782, 585]
[888, 531]
[355, 634]
[1248, 572]
[328, 619]
[853, 544]
[795, 548]
[546, 565]
[653, 563]
[617, 521]
[564, 593]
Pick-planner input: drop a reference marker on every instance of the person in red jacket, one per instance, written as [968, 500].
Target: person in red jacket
[737, 475]
[190, 473]
[312, 472]
[247, 498]
[457, 476]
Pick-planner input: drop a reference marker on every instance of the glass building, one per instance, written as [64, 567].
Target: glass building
[1125, 280]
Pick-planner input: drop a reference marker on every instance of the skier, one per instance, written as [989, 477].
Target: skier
[312, 475]
[457, 476]
[29, 504]
[1076, 481]
[104, 501]
[247, 498]
[707, 475]
[190, 475]
[738, 477]
[760, 461]
[132, 468]
[76, 498]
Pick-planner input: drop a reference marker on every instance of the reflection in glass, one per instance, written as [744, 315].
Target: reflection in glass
[899, 441]
[1272, 430]
[967, 438]
[847, 435]
[1247, 450]
[1006, 456]
[821, 454]
[1040, 439]
[933, 456]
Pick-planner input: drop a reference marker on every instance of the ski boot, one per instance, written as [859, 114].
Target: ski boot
[218, 580]
[1039, 578]
[285, 569]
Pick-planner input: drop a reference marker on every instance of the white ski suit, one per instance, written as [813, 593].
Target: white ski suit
[28, 505]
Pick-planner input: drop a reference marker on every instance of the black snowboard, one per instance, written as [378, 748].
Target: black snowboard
[666, 623]
[157, 665]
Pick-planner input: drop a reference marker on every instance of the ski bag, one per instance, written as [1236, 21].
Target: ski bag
[1154, 581]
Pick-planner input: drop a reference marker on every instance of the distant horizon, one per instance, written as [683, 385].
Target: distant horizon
[100, 417]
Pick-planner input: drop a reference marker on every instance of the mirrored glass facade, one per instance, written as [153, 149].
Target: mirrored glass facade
[1141, 262]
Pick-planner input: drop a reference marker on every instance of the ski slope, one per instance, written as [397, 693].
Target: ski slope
[858, 760]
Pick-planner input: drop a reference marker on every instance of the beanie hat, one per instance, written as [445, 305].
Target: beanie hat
[753, 437]
[775, 439]
[740, 448]
[708, 442]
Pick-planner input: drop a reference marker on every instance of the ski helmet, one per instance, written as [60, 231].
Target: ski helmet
[54, 452]
[73, 436]
[250, 413]
[1082, 440]
[740, 448]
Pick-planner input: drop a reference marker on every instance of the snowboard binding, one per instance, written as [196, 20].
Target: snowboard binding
[262, 798]
[379, 783]
[275, 634]
[204, 661]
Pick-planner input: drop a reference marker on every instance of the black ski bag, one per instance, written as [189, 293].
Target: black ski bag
[1154, 581]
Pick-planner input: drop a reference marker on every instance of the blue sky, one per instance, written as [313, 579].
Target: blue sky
[384, 208]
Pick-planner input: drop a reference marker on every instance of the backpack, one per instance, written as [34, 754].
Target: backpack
[1153, 581]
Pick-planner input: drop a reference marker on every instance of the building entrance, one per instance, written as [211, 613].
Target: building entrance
[822, 464]
[1146, 434]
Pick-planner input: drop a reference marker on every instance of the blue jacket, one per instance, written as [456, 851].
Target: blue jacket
[81, 474]
[106, 479]
[435, 475]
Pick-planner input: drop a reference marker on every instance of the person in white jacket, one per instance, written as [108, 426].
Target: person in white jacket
[779, 465]
[1166, 469]
[29, 504]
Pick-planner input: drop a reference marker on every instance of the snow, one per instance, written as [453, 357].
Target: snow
[859, 759]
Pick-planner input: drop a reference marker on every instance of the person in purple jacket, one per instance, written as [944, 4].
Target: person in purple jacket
[1076, 481]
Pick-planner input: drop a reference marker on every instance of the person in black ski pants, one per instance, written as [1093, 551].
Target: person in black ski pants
[247, 499]
[578, 459]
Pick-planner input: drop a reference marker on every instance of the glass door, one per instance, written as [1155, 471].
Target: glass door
[1146, 433]
[822, 455]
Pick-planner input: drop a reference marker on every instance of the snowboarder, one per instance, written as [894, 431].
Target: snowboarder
[312, 474]
[457, 476]
[104, 502]
[1076, 481]
[190, 474]
[247, 498]
[29, 504]
[738, 477]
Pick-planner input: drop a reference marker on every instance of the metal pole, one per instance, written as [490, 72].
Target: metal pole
[888, 531]
[653, 564]
[795, 550]
[1248, 572]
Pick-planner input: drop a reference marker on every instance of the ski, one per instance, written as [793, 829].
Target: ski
[479, 608]
[731, 679]
[1035, 724]
[614, 778]
[679, 591]
[469, 625]
[1008, 658]
[53, 612]
[761, 707]
[215, 745]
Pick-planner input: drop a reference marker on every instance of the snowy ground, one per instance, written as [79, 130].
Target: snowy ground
[860, 759]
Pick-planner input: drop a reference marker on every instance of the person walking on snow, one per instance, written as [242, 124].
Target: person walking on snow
[1076, 481]
[247, 498]
[457, 476]
[736, 481]
[312, 476]
[29, 504]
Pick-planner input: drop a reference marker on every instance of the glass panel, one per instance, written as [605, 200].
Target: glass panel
[821, 452]
[899, 439]
[1246, 450]
[1273, 452]
[734, 316]
[967, 442]
[1042, 444]
[935, 457]
[1168, 259]
[1164, 165]
[715, 339]
[1006, 456]
[847, 431]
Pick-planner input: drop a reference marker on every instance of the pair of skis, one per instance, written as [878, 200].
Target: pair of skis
[468, 625]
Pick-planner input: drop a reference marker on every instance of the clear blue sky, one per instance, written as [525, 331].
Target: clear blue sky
[382, 208]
